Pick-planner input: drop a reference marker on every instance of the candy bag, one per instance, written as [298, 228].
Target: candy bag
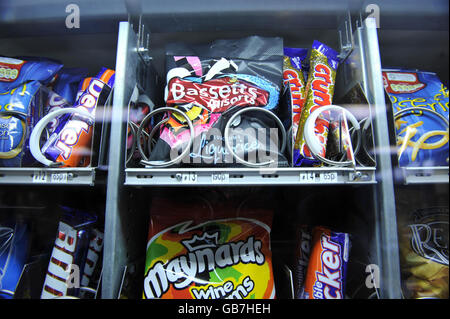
[211, 83]
[202, 251]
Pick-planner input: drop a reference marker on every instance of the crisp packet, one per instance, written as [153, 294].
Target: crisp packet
[198, 251]
[423, 241]
[320, 89]
[422, 137]
[19, 112]
[14, 243]
[70, 142]
[327, 267]
[67, 83]
[15, 72]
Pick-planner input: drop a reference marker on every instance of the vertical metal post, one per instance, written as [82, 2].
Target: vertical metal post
[386, 223]
[115, 248]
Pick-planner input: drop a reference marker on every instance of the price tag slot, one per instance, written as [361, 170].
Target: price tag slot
[220, 178]
[318, 177]
[328, 177]
[39, 177]
[59, 178]
[186, 178]
[42, 177]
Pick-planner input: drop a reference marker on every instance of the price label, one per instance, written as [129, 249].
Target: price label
[39, 177]
[328, 177]
[319, 178]
[59, 178]
[220, 178]
[188, 178]
[307, 177]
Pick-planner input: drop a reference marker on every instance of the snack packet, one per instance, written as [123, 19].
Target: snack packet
[14, 249]
[424, 254]
[422, 137]
[16, 72]
[211, 83]
[210, 253]
[70, 142]
[327, 267]
[19, 113]
[294, 87]
[320, 89]
[70, 249]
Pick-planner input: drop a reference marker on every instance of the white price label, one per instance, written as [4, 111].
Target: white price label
[220, 178]
[188, 178]
[307, 177]
[39, 177]
[59, 178]
[328, 177]
[318, 178]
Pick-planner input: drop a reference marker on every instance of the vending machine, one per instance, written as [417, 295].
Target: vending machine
[287, 149]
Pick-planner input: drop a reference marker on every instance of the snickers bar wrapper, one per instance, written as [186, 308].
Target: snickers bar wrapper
[320, 89]
[327, 267]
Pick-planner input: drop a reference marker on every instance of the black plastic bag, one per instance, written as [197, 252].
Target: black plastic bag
[210, 83]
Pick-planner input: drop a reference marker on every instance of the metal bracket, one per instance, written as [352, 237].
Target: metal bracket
[143, 37]
[143, 42]
[142, 45]
[346, 42]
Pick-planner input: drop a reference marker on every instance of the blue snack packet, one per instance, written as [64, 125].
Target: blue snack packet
[14, 242]
[19, 112]
[422, 137]
[67, 83]
[15, 72]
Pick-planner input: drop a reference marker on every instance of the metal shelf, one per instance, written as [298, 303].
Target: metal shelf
[425, 175]
[248, 176]
[48, 176]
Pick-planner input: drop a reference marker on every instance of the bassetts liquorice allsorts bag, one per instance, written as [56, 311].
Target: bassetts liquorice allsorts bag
[198, 250]
[210, 83]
